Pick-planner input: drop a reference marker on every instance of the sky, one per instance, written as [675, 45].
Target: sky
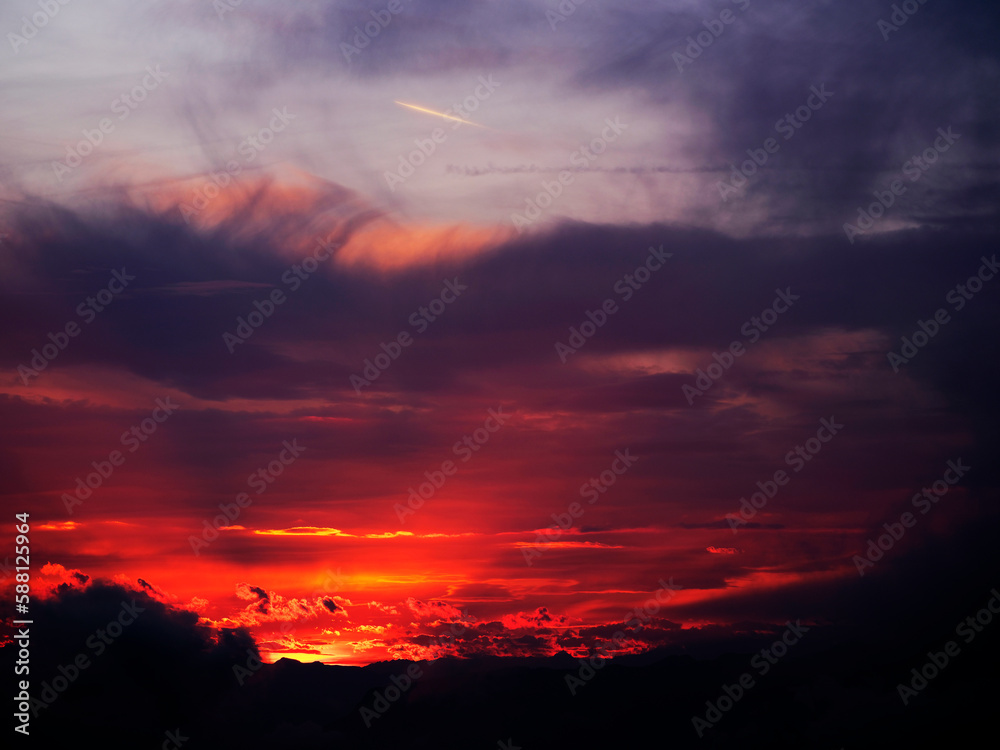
[473, 335]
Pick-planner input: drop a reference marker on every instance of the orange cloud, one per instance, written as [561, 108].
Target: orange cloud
[390, 247]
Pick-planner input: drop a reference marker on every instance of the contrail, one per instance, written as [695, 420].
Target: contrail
[439, 114]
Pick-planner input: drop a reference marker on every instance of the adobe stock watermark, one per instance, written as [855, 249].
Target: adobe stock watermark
[626, 286]
[462, 449]
[704, 39]
[87, 310]
[252, 665]
[98, 643]
[591, 490]
[752, 329]
[263, 310]
[762, 663]
[640, 615]
[958, 296]
[222, 7]
[915, 167]
[48, 9]
[899, 16]
[596, 661]
[123, 106]
[582, 158]
[401, 683]
[131, 439]
[250, 148]
[564, 10]
[420, 320]
[968, 629]
[383, 700]
[786, 127]
[923, 501]
[795, 459]
[174, 740]
[459, 114]
[332, 583]
[258, 481]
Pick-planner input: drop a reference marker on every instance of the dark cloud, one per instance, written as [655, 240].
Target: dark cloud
[890, 97]
[166, 673]
[155, 664]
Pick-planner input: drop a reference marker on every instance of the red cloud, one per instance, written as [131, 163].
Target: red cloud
[434, 610]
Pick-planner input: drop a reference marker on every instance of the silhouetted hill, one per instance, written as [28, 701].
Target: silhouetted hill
[164, 674]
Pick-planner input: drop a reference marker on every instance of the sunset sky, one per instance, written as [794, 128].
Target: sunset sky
[171, 172]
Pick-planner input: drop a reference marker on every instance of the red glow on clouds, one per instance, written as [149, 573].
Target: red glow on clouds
[319, 565]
